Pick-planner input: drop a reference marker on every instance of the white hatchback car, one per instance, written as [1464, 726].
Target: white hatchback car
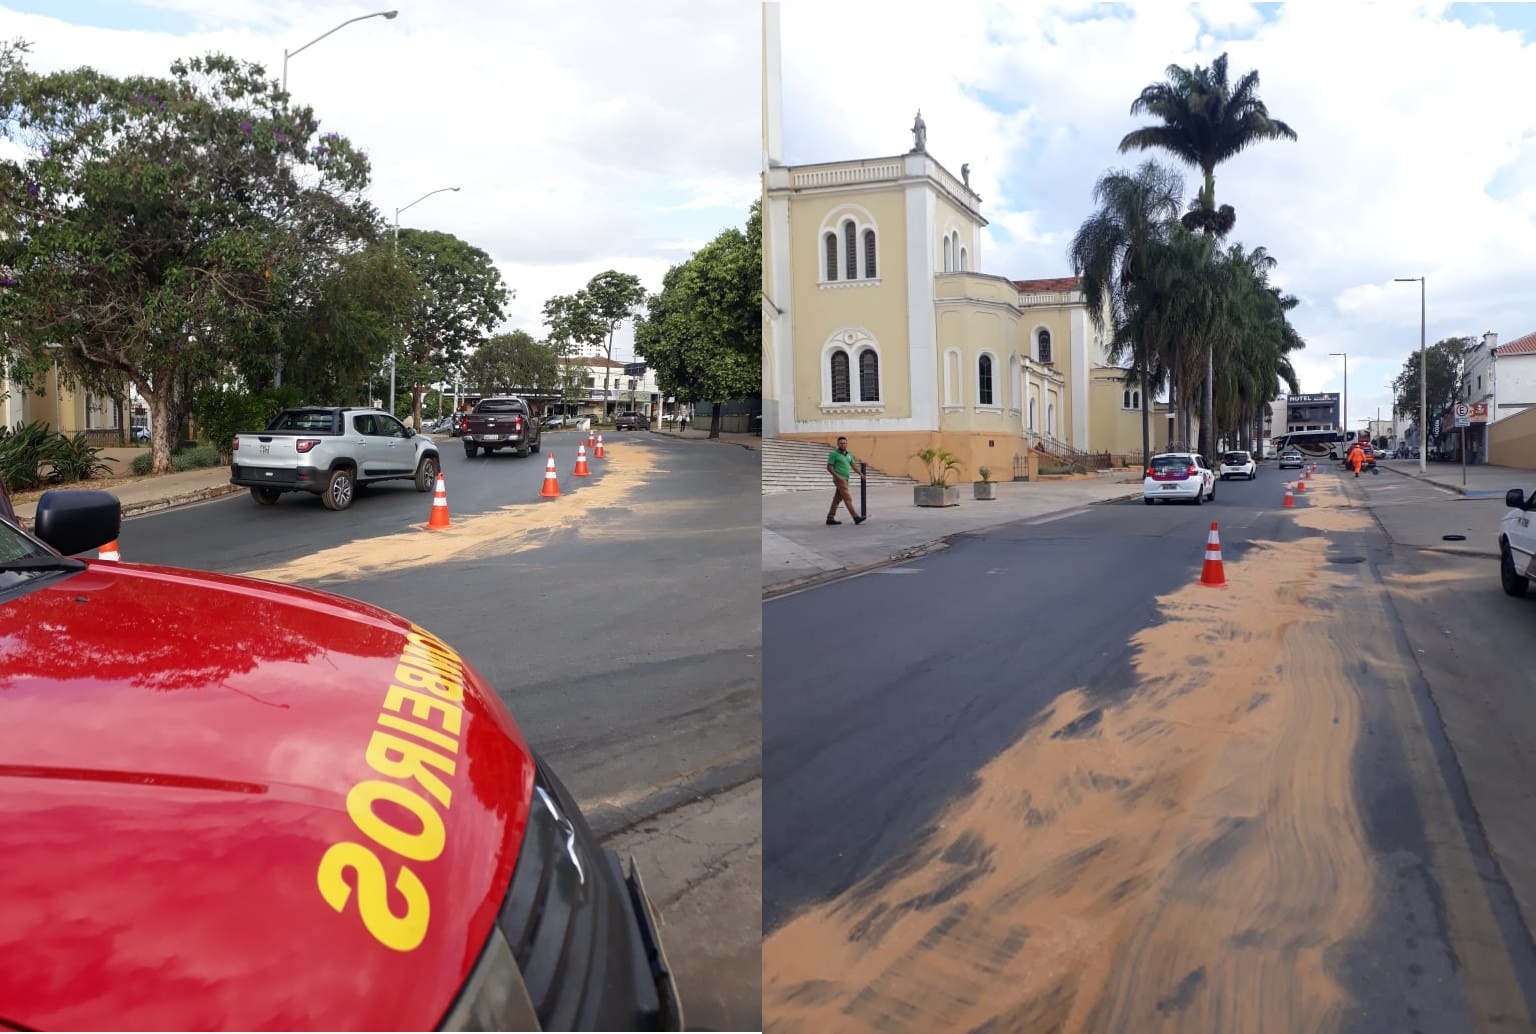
[1178, 475]
[1238, 464]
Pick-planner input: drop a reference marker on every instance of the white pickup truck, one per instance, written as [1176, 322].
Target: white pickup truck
[329, 451]
[1517, 543]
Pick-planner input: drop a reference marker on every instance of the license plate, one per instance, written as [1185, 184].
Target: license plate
[1170, 488]
[491, 437]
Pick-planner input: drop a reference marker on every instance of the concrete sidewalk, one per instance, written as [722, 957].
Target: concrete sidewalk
[800, 548]
[139, 495]
[746, 441]
[1484, 481]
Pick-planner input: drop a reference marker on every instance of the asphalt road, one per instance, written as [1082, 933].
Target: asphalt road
[1042, 761]
[621, 624]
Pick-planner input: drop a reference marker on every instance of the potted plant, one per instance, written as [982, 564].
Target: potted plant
[938, 491]
[986, 488]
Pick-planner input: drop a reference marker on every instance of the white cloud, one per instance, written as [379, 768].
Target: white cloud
[1410, 159]
[584, 137]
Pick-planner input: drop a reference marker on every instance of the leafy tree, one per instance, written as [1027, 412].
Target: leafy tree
[1206, 120]
[513, 362]
[339, 343]
[613, 297]
[159, 228]
[1446, 359]
[461, 299]
[703, 334]
[1110, 252]
[574, 328]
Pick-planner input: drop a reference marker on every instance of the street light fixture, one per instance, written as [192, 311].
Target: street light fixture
[392, 351]
[1344, 414]
[291, 53]
[1423, 378]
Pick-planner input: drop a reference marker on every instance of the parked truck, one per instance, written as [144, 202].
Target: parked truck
[329, 451]
[501, 422]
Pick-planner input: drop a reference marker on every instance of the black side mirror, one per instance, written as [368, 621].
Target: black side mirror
[1515, 499]
[73, 520]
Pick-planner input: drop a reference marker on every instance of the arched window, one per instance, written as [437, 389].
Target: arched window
[850, 248]
[869, 254]
[831, 256]
[1126, 403]
[984, 380]
[965, 261]
[1032, 414]
[1050, 417]
[948, 261]
[952, 366]
[841, 387]
[1045, 346]
[1135, 400]
[869, 376]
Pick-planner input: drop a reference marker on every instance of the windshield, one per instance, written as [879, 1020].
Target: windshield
[17, 552]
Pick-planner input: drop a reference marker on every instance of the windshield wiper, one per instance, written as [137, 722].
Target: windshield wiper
[43, 563]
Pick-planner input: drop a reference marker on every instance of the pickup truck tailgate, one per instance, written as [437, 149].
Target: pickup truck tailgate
[275, 457]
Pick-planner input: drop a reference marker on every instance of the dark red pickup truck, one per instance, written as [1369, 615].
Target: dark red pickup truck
[503, 422]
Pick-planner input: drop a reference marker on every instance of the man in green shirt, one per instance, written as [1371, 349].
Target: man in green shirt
[840, 466]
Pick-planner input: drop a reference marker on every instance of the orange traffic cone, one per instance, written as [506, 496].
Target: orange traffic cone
[551, 483]
[439, 518]
[1289, 499]
[591, 441]
[1212, 575]
[1301, 484]
[597, 454]
[108, 552]
[581, 470]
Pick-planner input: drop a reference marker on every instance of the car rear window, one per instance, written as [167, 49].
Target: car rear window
[501, 406]
[1162, 463]
[1237, 457]
[303, 420]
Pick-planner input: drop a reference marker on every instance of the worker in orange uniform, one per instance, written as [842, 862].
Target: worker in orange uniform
[1356, 457]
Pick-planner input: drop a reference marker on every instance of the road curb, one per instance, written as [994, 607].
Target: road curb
[156, 505]
[913, 552]
[722, 441]
[1486, 554]
[608, 821]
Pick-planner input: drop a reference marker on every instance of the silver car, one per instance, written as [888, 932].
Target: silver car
[1291, 458]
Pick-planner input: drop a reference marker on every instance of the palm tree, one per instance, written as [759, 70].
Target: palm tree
[1206, 120]
[1110, 253]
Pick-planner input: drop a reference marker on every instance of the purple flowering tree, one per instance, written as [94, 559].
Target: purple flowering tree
[167, 232]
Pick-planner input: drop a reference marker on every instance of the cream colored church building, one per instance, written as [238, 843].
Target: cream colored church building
[879, 327]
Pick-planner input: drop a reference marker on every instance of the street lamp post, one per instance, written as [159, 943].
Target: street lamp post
[391, 408]
[1344, 416]
[1423, 379]
[291, 53]
[58, 415]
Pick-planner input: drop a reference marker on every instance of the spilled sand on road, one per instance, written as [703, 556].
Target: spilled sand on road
[1179, 860]
[512, 529]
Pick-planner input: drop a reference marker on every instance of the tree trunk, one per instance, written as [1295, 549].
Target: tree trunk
[1146, 416]
[714, 419]
[162, 432]
[1208, 416]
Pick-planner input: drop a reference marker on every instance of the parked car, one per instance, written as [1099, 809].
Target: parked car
[1291, 458]
[501, 422]
[1239, 463]
[1174, 476]
[336, 825]
[139, 433]
[629, 420]
[1517, 543]
[553, 423]
[329, 451]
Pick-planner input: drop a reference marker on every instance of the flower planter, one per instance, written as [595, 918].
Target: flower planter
[936, 495]
[985, 489]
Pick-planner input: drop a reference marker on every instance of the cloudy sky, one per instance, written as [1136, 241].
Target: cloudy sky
[1416, 153]
[584, 137]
